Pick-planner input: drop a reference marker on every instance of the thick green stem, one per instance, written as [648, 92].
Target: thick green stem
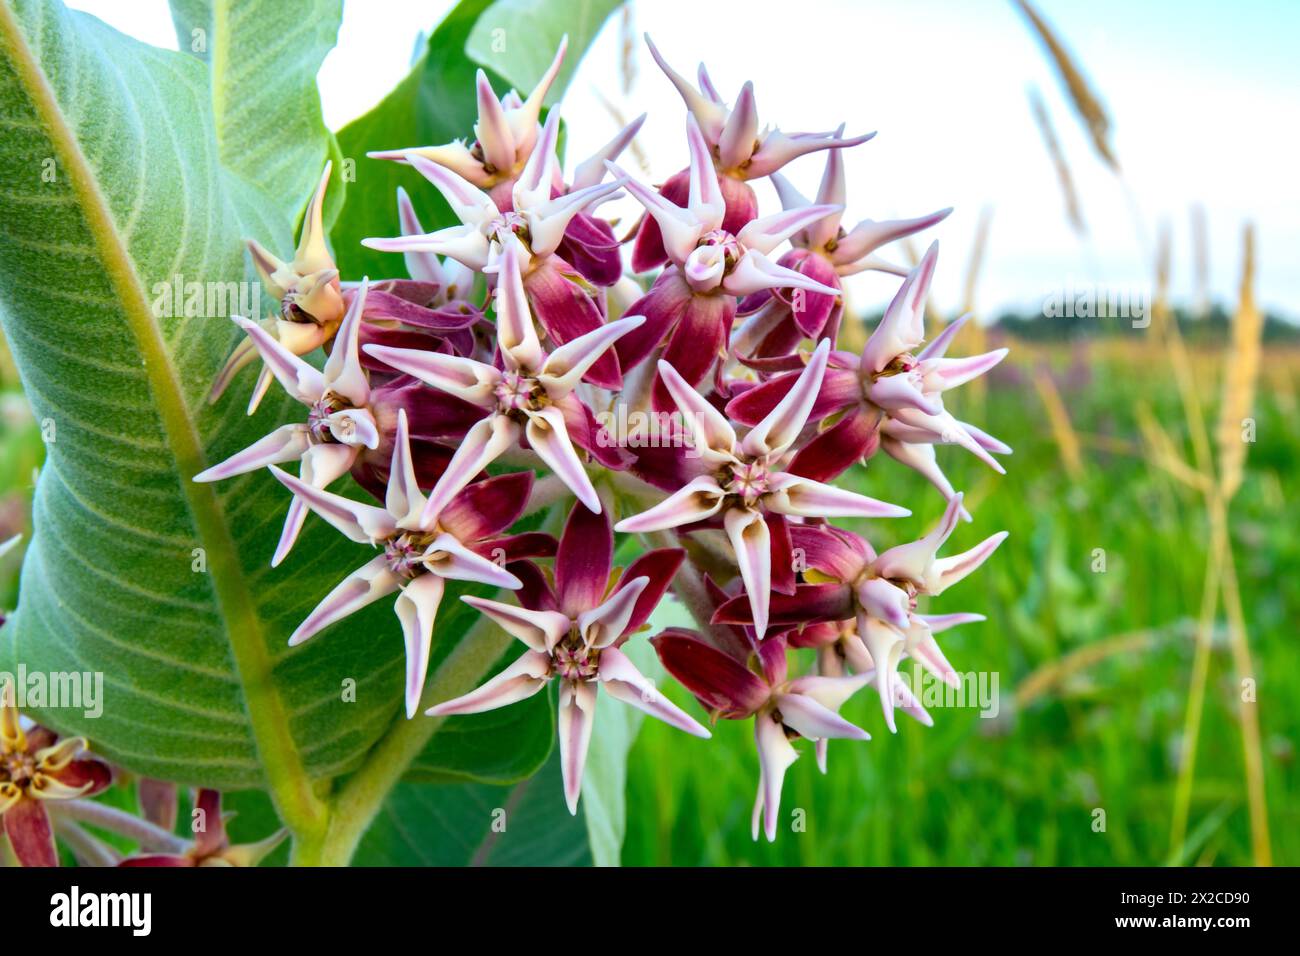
[364, 793]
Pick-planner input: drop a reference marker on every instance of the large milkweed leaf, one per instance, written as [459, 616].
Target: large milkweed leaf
[516, 38]
[262, 57]
[113, 192]
[527, 824]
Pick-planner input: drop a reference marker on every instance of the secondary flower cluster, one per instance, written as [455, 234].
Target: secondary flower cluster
[448, 392]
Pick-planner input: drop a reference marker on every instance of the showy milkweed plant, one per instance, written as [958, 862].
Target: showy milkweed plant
[557, 423]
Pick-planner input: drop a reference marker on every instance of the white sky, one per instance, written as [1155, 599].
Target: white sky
[1203, 99]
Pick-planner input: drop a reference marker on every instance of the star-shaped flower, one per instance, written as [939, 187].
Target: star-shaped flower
[747, 477]
[308, 290]
[574, 634]
[530, 395]
[37, 766]
[340, 424]
[782, 707]
[212, 846]
[422, 549]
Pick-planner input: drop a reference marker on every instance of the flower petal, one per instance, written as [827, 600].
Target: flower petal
[751, 541]
[601, 626]
[482, 445]
[540, 630]
[417, 607]
[779, 429]
[363, 586]
[583, 563]
[521, 680]
[576, 716]
[361, 522]
[775, 755]
[286, 443]
[699, 499]
[30, 835]
[549, 437]
[623, 681]
[803, 497]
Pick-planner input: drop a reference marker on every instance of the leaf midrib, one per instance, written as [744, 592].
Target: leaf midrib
[268, 716]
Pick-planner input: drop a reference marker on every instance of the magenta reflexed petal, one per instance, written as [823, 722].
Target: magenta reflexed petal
[809, 603]
[30, 835]
[621, 680]
[583, 563]
[721, 683]
[284, 444]
[662, 307]
[829, 454]
[811, 310]
[364, 586]
[593, 436]
[487, 507]
[658, 567]
[698, 342]
[835, 552]
[575, 719]
[778, 430]
[567, 313]
[783, 560]
[521, 680]
[590, 247]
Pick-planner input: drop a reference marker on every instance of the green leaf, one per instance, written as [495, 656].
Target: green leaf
[495, 41]
[462, 825]
[263, 57]
[434, 104]
[499, 747]
[114, 186]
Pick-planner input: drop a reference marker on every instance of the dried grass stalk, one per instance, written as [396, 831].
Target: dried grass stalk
[1072, 209]
[1241, 374]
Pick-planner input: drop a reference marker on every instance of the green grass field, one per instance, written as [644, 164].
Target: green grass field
[1023, 788]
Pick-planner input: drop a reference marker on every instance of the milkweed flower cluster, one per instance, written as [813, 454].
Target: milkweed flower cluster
[472, 391]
